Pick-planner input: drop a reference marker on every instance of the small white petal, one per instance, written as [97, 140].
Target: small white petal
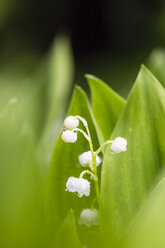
[85, 159]
[119, 145]
[83, 187]
[69, 136]
[89, 217]
[79, 185]
[71, 122]
[98, 160]
[71, 184]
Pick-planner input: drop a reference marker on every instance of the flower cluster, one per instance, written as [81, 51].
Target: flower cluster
[88, 159]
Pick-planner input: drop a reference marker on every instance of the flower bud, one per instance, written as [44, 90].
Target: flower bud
[79, 185]
[69, 136]
[89, 217]
[71, 122]
[119, 145]
[85, 159]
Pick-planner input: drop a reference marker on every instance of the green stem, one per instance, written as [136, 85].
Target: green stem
[92, 175]
[81, 131]
[96, 182]
[93, 156]
[94, 165]
[101, 147]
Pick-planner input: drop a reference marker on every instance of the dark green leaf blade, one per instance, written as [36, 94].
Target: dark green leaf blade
[107, 105]
[128, 177]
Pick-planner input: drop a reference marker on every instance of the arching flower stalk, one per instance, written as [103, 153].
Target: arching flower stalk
[89, 159]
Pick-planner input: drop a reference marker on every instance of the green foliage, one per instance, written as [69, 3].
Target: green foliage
[128, 177]
[60, 74]
[35, 209]
[23, 103]
[68, 230]
[148, 229]
[21, 187]
[61, 71]
[107, 105]
[156, 63]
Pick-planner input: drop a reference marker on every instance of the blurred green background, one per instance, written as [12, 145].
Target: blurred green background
[45, 48]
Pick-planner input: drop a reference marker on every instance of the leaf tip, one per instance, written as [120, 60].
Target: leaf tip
[89, 76]
[143, 67]
[77, 87]
[79, 90]
[147, 71]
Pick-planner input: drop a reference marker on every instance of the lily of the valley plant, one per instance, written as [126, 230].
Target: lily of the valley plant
[89, 160]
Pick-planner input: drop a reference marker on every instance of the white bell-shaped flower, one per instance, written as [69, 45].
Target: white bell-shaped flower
[85, 159]
[69, 136]
[79, 185]
[71, 122]
[119, 145]
[89, 217]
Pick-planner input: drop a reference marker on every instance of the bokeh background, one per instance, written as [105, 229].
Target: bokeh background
[109, 39]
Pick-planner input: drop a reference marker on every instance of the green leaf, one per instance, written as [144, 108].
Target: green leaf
[127, 177]
[60, 72]
[21, 194]
[107, 105]
[156, 63]
[67, 234]
[148, 228]
[65, 163]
